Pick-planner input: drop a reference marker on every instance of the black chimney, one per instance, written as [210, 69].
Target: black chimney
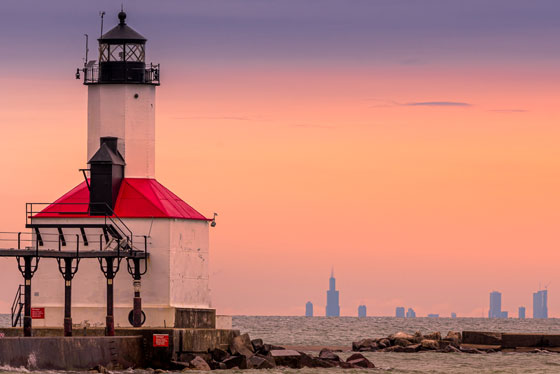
[106, 175]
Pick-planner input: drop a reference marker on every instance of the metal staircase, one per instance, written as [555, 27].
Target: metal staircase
[17, 306]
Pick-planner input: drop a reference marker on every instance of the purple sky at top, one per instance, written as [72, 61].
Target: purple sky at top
[324, 32]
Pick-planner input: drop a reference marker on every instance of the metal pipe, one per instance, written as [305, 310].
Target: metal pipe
[68, 296]
[137, 303]
[110, 319]
[27, 297]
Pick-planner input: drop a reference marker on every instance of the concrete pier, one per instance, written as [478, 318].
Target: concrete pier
[135, 347]
[71, 353]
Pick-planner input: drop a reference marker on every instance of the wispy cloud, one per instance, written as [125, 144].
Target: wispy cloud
[225, 118]
[437, 103]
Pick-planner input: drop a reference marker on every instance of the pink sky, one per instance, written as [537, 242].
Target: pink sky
[374, 169]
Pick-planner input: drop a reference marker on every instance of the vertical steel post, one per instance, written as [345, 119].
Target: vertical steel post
[68, 296]
[110, 319]
[27, 297]
[137, 308]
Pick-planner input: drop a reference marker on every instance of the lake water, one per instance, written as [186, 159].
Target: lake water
[342, 331]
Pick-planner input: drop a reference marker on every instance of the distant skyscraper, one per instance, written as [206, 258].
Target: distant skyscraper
[453, 315]
[540, 304]
[333, 308]
[496, 305]
[410, 313]
[399, 312]
[362, 311]
[521, 313]
[309, 309]
[433, 315]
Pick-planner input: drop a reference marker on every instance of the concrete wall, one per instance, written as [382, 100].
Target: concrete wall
[177, 276]
[189, 273]
[77, 353]
[113, 110]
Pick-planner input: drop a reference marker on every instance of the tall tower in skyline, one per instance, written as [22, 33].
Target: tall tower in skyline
[333, 307]
[496, 306]
[309, 309]
[540, 304]
[362, 311]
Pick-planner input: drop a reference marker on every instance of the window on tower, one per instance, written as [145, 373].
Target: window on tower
[103, 52]
[134, 52]
[116, 52]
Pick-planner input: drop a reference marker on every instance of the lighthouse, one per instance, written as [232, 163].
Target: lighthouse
[149, 249]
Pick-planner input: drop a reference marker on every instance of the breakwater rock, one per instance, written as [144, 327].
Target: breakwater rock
[410, 343]
[244, 353]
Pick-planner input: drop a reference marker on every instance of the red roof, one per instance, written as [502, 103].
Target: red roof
[137, 198]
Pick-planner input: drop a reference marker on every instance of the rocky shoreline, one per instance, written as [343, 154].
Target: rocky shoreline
[244, 353]
[407, 343]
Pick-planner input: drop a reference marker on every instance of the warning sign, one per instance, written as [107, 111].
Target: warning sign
[37, 313]
[161, 340]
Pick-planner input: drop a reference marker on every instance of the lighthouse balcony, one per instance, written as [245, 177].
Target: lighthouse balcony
[120, 72]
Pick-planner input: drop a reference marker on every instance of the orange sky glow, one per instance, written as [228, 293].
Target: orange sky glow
[415, 202]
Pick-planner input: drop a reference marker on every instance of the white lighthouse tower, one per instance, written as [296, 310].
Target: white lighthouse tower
[121, 206]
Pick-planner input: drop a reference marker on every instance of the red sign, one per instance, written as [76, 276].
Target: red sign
[37, 313]
[161, 340]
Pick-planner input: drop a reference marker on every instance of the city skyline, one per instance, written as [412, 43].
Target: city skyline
[379, 136]
[333, 302]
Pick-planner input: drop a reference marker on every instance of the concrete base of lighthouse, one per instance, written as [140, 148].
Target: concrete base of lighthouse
[131, 347]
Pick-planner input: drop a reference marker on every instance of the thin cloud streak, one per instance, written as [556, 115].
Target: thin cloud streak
[437, 103]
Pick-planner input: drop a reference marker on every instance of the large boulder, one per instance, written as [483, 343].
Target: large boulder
[451, 349]
[402, 342]
[241, 345]
[286, 357]
[327, 354]
[258, 345]
[429, 344]
[412, 348]
[236, 361]
[218, 354]
[198, 363]
[383, 343]
[394, 348]
[260, 362]
[364, 345]
[454, 338]
[358, 360]
[315, 362]
[433, 336]
[418, 337]
[401, 335]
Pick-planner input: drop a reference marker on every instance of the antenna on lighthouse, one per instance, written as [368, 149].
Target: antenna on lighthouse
[87, 49]
[101, 14]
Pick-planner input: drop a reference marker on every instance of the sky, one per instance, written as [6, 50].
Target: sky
[411, 145]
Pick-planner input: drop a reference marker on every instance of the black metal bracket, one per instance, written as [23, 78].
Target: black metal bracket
[84, 236]
[39, 237]
[34, 266]
[110, 272]
[68, 273]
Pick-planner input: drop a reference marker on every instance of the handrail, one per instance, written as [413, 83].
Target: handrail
[17, 304]
[111, 219]
[151, 74]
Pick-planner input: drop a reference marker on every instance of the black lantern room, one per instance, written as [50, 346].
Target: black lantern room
[122, 57]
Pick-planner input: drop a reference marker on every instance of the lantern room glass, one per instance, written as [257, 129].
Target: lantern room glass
[129, 52]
